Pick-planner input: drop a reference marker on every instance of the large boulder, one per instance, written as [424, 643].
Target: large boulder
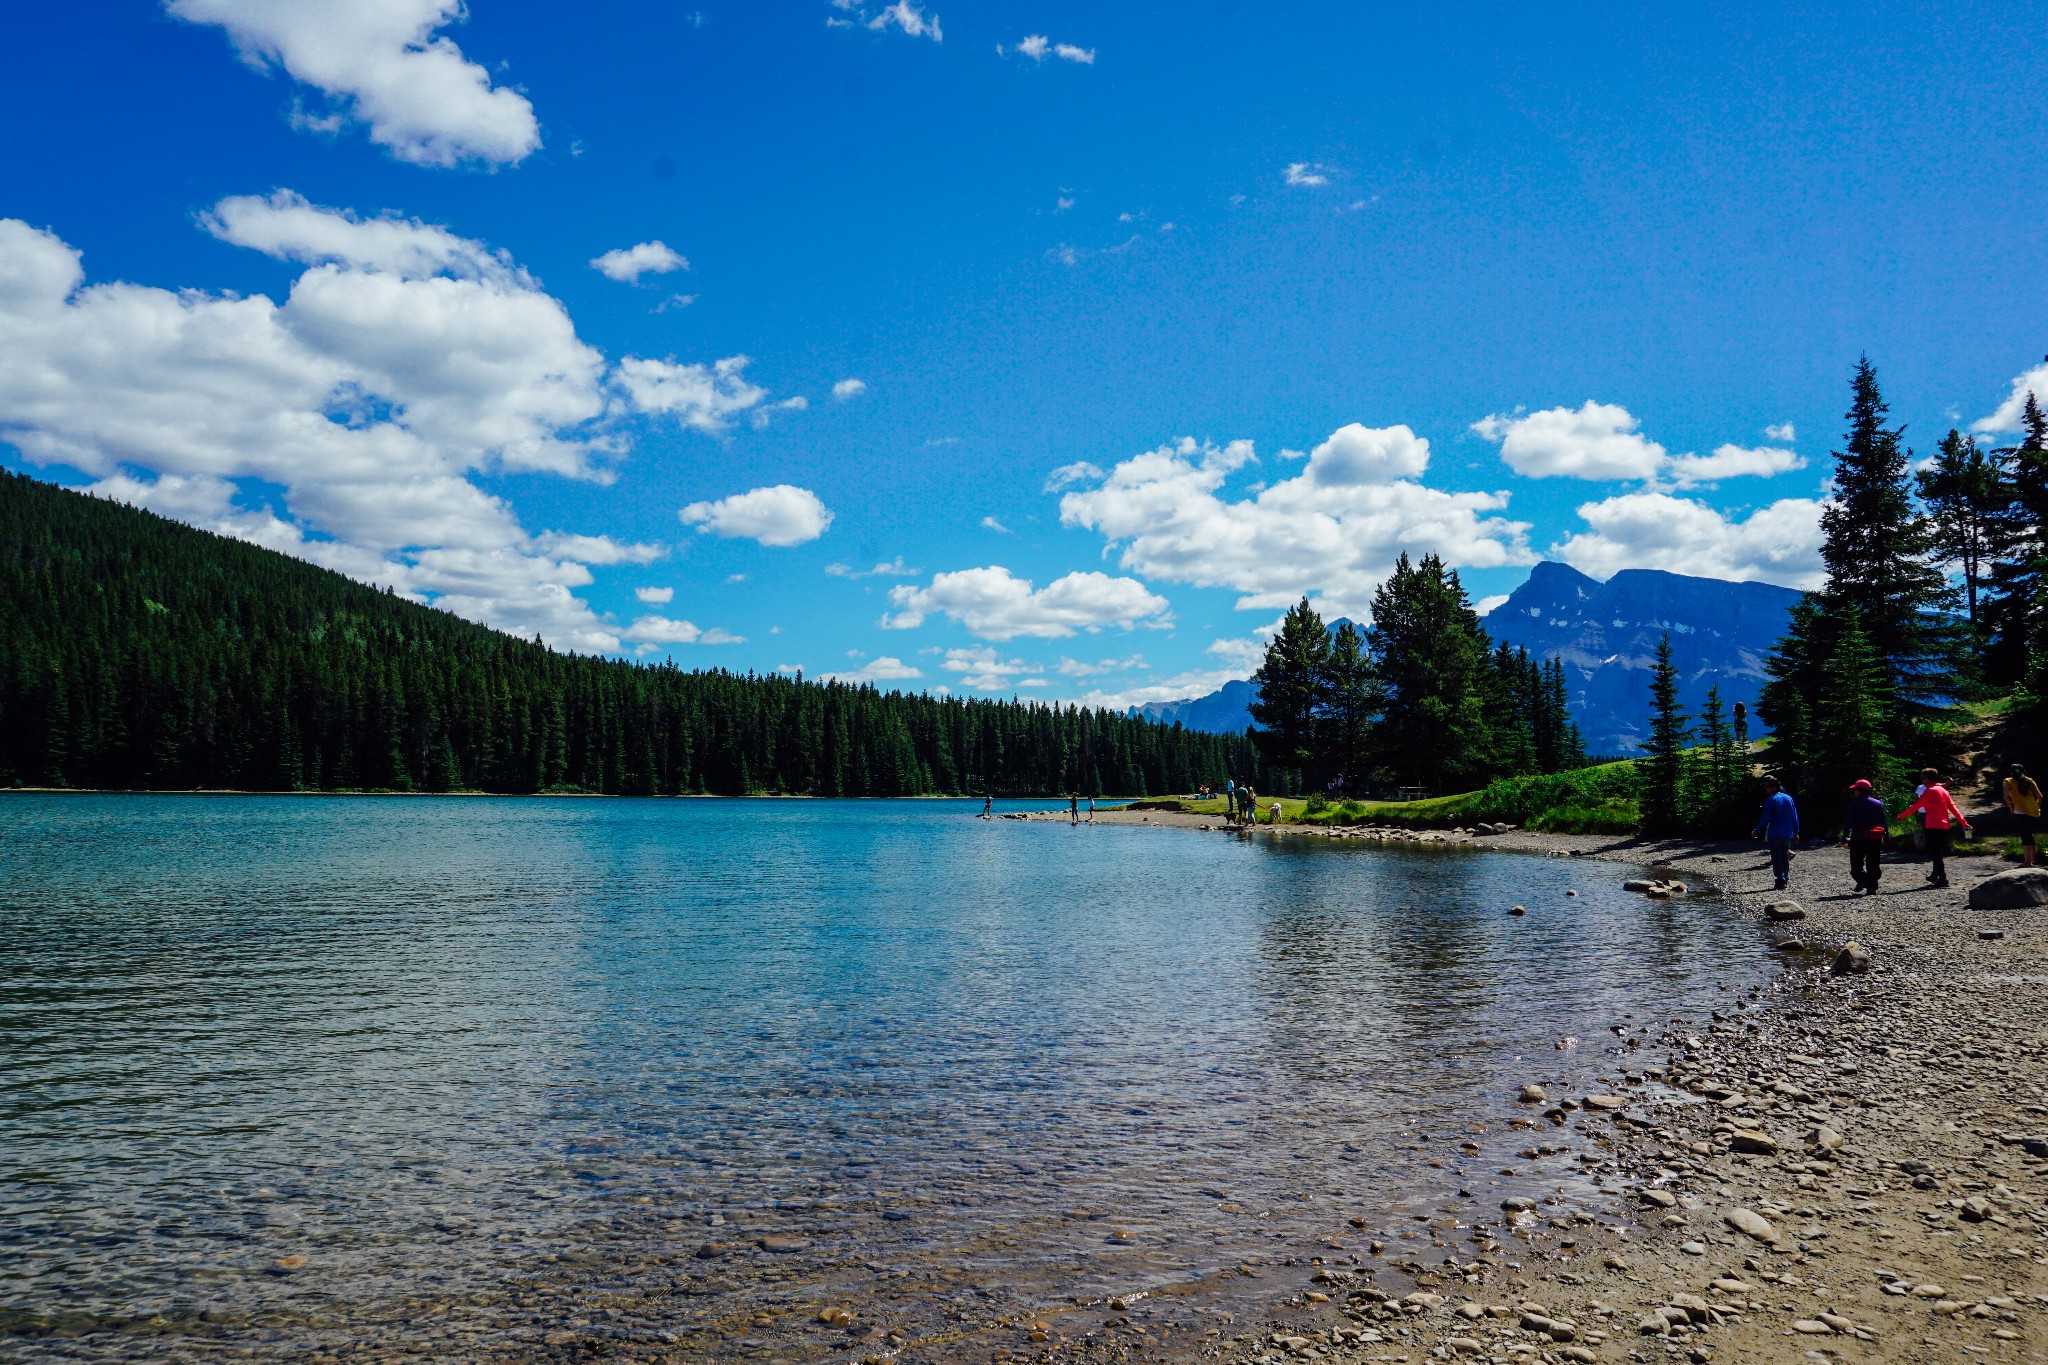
[2014, 890]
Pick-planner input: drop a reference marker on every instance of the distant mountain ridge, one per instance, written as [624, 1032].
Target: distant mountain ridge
[1606, 636]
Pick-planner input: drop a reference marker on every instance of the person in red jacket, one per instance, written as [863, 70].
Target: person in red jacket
[1943, 818]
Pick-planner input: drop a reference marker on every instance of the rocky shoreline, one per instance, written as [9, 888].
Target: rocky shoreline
[1851, 1163]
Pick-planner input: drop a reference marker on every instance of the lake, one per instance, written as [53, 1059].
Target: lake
[411, 1078]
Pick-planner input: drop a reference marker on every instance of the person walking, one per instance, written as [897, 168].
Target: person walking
[1091, 810]
[1073, 808]
[1778, 826]
[1863, 827]
[1251, 804]
[1943, 817]
[2023, 799]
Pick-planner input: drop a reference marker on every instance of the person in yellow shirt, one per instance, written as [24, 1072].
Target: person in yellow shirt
[2023, 799]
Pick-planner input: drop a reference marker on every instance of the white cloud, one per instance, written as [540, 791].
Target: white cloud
[1081, 471]
[849, 388]
[660, 630]
[1779, 543]
[1781, 431]
[988, 671]
[894, 568]
[781, 515]
[286, 226]
[655, 597]
[991, 524]
[1180, 687]
[1305, 174]
[404, 361]
[907, 17]
[703, 397]
[2007, 417]
[384, 64]
[994, 604]
[1604, 441]
[1730, 462]
[1062, 203]
[1485, 605]
[1595, 441]
[1080, 668]
[887, 668]
[1037, 47]
[1332, 532]
[1356, 454]
[627, 264]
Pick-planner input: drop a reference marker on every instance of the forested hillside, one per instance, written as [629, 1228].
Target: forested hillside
[136, 652]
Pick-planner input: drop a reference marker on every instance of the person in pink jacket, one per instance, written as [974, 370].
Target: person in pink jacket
[1943, 817]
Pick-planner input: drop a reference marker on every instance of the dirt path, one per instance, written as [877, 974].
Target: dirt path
[1848, 1166]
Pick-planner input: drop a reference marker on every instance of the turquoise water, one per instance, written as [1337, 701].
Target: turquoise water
[506, 1072]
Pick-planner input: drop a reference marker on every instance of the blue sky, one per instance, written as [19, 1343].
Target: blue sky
[1043, 349]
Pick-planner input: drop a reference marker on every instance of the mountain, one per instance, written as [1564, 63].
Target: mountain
[1606, 636]
[138, 652]
[1223, 712]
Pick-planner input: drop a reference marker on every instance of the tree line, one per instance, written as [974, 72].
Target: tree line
[136, 652]
[1420, 698]
[1873, 662]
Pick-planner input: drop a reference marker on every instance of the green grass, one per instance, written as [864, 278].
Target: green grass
[1595, 800]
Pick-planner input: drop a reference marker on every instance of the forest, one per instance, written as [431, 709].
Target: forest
[139, 653]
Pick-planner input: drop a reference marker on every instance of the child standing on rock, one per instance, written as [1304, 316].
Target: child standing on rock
[1863, 825]
[1943, 818]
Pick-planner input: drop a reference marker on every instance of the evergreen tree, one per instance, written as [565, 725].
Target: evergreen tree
[1662, 764]
[1849, 735]
[1350, 709]
[1290, 686]
[1429, 649]
[1877, 550]
[1963, 492]
[2018, 533]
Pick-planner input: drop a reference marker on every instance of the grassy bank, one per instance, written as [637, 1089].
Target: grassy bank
[1596, 800]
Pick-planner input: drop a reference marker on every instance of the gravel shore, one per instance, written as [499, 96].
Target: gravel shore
[1850, 1164]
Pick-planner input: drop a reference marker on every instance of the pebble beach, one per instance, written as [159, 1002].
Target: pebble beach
[1850, 1163]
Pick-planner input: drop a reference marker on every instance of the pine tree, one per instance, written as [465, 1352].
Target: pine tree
[1962, 490]
[1877, 551]
[1429, 648]
[2018, 534]
[1290, 686]
[1350, 709]
[1662, 765]
[1849, 737]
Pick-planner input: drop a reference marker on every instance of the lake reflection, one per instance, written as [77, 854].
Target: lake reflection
[511, 1075]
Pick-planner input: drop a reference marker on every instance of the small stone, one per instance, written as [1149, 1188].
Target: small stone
[292, 1262]
[1531, 1094]
[1570, 892]
[1929, 1291]
[1464, 1346]
[1315, 1296]
[1729, 1285]
[1580, 1353]
[1750, 1223]
[1606, 1103]
[1753, 1142]
[1654, 1325]
[1838, 1323]
[1853, 960]
[1977, 1209]
[1783, 911]
[1614, 1262]
[1824, 1138]
[1471, 1312]
[1991, 935]
[783, 1246]
[1518, 910]
[1808, 1327]
[1517, 1204]
[1693, 1248]
[1663, 1199]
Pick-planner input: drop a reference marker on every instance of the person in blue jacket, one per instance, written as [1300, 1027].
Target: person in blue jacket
[1778, 826]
